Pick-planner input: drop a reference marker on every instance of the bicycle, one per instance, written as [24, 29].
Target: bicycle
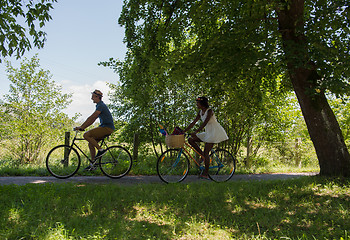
[173, 164]
[63, 161]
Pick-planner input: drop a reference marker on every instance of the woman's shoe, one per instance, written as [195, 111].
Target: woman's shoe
[206, 177]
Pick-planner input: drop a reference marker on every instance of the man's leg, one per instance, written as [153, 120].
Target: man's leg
[93, 136]
[92, 151]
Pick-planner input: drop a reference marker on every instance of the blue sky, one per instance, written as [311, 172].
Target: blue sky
[81, 34]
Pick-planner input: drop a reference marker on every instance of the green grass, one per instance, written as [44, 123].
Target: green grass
[305, 208]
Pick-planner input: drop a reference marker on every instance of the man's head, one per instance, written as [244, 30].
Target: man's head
[96, 96]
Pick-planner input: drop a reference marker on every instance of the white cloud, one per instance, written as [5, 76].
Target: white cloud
[81, 99]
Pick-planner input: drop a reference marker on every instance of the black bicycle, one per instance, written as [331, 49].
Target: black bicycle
[63, 161]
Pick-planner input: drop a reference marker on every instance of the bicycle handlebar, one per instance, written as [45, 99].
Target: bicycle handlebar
[81, 130]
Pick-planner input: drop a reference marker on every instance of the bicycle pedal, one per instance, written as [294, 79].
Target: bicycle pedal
[90, 168]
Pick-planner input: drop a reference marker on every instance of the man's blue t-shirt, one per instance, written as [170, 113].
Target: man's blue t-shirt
[106, 119]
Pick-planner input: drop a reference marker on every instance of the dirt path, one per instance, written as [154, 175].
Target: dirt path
[141, 179]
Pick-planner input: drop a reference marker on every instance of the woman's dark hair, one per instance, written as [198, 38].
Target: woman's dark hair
[203, 101]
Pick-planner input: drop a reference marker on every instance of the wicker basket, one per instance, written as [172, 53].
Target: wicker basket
[175, 141]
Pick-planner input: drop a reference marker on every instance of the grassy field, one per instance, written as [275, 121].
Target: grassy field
[305, 208]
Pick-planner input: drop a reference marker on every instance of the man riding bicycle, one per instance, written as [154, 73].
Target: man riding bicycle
[105, 128]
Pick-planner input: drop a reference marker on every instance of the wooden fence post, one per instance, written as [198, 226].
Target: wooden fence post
[136, 147]
[297, 156]
[248, 160]
[66, 142]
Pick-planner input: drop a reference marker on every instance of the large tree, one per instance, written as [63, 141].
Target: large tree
[311, 77]
[20, 25]
[233, 45]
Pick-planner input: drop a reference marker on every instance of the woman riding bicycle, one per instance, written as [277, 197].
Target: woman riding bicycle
[214, 132]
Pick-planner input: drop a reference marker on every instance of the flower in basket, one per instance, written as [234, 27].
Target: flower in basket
[162, 130]
[178, 131]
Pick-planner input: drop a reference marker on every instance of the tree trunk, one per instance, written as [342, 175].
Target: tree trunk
[324, 130]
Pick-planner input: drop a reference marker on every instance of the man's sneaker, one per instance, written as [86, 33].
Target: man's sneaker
[90, 168]
[100, 153]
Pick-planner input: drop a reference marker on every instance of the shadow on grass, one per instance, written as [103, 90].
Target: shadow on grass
[309, 207]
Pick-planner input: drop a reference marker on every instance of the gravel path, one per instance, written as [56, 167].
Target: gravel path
[20, 180]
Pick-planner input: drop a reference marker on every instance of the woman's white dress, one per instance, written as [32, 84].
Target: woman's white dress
[214, 132]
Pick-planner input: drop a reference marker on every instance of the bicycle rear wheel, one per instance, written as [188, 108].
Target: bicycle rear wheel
[222, 165]
[63, 161]
[116, 162]
[172, 166]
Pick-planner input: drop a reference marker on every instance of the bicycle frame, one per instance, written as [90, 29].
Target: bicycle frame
[189, 154]
[80, 139]
[220, 165]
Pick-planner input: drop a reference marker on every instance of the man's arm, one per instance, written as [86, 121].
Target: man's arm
[90, 120]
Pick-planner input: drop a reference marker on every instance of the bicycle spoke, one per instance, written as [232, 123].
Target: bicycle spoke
[172, 166]
[222, 165]
[63, 161]
[116, 162]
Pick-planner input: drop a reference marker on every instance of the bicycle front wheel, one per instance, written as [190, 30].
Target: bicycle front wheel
[116, 162]
[63, 161]
[172, 166]
[222, 165]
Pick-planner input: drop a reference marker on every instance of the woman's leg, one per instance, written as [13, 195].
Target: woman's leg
[193, 142]
[207, 148]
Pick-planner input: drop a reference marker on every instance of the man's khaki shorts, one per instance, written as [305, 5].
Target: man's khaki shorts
[99, 133]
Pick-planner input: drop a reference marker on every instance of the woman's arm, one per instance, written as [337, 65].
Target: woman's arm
[209, 115]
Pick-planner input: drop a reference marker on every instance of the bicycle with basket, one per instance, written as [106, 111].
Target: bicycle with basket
[173, 165]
